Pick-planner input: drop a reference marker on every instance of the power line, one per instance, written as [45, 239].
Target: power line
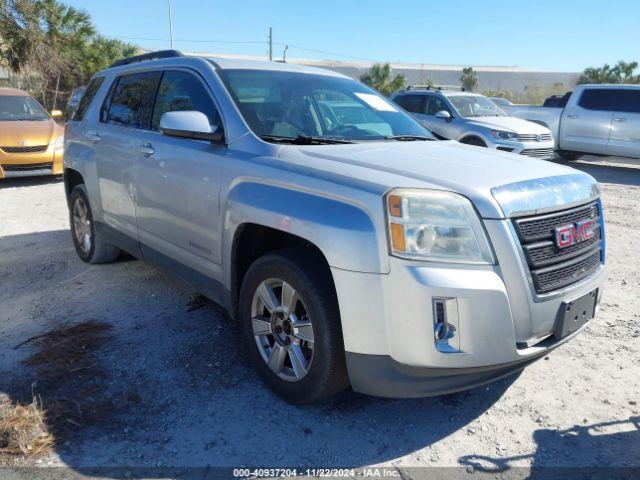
[262, 42]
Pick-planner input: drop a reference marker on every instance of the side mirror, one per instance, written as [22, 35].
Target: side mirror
[189, 124]
[444, 115]
[56, 114]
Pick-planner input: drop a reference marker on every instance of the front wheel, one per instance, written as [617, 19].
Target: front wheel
[291, 326]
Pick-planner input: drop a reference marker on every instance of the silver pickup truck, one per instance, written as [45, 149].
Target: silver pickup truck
[595, 119]
[351, 246]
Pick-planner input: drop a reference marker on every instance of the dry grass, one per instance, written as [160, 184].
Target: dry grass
[23, 430]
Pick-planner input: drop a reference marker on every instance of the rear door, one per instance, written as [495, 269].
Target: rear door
[586, 123]
[178, 180]
[125, 113]
[624, 139]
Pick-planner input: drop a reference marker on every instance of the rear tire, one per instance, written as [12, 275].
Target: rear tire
[567, 155]
[89, 246]
[277, 338]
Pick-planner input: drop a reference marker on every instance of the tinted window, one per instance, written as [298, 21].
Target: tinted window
[436, 105]
[14, 107]
[597, 99]
[627, 101]
[131, 102]
[89, 93]
[183, 91]
[411, 103]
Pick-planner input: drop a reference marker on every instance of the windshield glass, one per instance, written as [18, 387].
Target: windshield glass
[14, 108]
[476, 106]
[291, 104]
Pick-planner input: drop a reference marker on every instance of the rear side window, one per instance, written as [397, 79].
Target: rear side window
[130, 100]
[86, 99]
[598, 99]
[627, 101]
[411, 103]
[183, 91]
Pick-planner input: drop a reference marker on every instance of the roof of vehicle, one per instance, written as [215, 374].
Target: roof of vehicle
[610, 85]
[13, 92]
[164, 57]
[446, 93]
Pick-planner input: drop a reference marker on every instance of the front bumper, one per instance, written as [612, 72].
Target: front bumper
[49, 162]
[388, 322]
[543, 150]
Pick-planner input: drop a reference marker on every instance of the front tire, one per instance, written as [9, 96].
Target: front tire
[290, 324]
[478, 142]
[567, 155]
[90, 247]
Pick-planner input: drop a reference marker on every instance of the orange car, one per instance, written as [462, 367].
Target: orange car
[31, 142]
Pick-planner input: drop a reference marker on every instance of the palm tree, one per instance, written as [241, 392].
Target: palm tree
[622, 72]
[469, 79]
[379, 77]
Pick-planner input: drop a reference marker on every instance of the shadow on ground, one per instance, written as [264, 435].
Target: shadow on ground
[174, 386]
[609, 173]
[29, 181]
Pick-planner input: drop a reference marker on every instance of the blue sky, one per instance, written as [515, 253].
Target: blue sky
[545, 34]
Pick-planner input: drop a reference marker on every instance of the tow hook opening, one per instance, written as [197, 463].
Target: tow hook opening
[446, 325]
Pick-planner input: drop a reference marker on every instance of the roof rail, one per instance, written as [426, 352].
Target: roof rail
[147, 56]
[436, 87]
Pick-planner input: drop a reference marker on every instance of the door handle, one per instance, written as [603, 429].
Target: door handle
[146, 149]
[93, 136]
[573, 115]
[620, 119]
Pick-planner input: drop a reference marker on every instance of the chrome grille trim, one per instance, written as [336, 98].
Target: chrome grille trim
[31, 149]
[532, 137]
[538, 152]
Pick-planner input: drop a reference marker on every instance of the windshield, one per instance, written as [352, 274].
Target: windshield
[289, 104]
[14, 108]
[476, 106]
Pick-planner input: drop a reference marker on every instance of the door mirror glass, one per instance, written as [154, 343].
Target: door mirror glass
[56, 114]
[189, 124]
[444, 115]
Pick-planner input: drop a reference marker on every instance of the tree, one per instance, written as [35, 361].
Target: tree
[621, 72]
[469, 79]
[379, 77]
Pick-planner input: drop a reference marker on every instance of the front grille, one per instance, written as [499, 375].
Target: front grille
[538, 152]
[26, 168]
[532, 137]
[553, 268]
[32, 149]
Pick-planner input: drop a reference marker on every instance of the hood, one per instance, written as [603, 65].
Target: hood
[445, 165]
[32, 133]
[511, 124]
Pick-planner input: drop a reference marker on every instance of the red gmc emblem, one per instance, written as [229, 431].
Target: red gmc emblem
[573, 233]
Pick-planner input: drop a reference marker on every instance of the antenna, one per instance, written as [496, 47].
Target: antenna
[170, 25]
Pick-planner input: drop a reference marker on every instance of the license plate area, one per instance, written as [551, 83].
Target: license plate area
[573, 315]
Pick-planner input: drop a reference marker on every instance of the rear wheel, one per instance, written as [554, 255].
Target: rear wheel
[89, 246]
[291, 326]
[567, 155]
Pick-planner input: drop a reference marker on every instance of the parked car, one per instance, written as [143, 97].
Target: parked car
[475, 120]
[350, 246]
[501, 102]
[31, 142]
[593, 119]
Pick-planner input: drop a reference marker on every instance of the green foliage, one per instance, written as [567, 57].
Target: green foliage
[379, 77]
[621, 72]
[50, 48]
[532, 95]
[469, 79]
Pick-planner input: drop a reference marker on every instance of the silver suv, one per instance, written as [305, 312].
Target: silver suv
[474, 119]
[351, 246]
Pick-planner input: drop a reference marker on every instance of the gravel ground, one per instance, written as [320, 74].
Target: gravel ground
[179, 392]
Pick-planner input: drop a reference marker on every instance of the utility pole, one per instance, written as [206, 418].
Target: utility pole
[270, 44]
[170, 25]
[284, 54]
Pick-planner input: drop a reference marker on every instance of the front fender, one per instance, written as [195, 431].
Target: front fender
[343, 231]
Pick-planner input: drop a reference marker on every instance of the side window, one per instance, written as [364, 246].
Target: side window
[131, 100]
[89, 93]
[411, 103]
[435, 105]
[183, 91]
[597, 99]
[627, 101]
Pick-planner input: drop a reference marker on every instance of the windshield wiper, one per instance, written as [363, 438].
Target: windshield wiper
[408, 138]
[304, 140]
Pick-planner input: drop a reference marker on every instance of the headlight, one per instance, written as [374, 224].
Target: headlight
[58, 142]
[499, 134]
[436, 226]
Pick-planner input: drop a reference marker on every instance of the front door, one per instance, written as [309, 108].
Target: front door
[445, 128]
[178, 181]
[624, 140]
